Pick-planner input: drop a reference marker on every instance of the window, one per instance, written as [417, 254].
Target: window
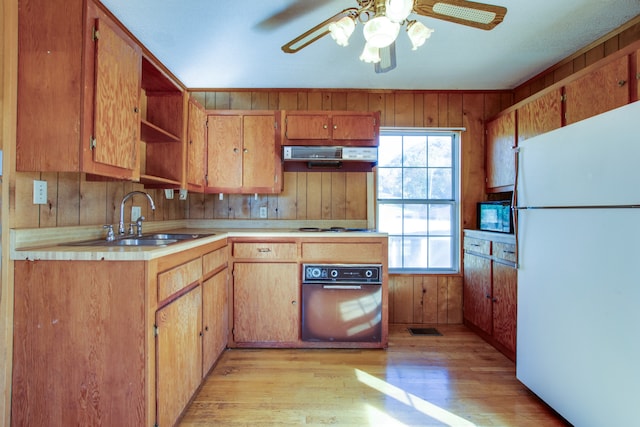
[418, 199]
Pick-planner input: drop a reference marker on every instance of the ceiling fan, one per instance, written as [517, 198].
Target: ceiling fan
[382, 20]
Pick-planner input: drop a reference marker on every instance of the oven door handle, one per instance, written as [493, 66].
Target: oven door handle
[356, 287]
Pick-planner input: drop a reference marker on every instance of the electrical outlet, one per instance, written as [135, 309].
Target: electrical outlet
[136, 212]
[39, 192]
[263, 211]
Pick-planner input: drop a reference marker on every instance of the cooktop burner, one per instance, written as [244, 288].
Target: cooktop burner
[334, 229]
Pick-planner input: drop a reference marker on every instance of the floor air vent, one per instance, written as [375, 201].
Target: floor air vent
[425, 331]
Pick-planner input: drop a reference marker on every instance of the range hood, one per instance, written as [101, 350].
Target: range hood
[329, 158]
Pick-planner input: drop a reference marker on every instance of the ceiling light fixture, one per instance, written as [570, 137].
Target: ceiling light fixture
[382, 20]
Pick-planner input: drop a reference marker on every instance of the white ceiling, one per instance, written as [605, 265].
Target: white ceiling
[229, 44]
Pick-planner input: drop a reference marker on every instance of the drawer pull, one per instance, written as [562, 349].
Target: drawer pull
[264, 250]
[510, 252]
[475, 244]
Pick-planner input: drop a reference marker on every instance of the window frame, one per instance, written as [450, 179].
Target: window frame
[455, 202]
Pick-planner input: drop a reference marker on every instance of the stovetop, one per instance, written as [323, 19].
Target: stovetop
[336, 230]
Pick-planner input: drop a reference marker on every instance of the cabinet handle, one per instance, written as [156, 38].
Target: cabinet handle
[135, 109]
[245, 151]
[325, 126]
[510, 252]
[495, 300]
[622, 83]
[264, 250]
[294, 302]
[206, 328]
[235, 150]
[335, 127]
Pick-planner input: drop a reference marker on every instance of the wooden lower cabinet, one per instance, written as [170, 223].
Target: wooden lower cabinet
[490, 290]
[265, 303]
[117, 343]
[80, 341]
[178, 354]
[215, 318]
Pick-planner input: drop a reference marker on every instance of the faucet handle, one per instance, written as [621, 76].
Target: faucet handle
[139, 225]
[110, 234]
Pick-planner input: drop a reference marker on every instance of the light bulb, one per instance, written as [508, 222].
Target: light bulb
[380, 31]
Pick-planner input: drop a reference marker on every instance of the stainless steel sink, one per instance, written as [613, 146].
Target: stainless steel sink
[156, 239]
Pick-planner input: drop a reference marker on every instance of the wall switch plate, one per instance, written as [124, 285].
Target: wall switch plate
[263, 211]
[136, 212]
[39, 192]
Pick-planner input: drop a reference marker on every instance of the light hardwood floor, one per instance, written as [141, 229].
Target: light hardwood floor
[451, 380]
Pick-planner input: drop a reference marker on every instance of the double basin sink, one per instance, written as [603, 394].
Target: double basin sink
[156, 239]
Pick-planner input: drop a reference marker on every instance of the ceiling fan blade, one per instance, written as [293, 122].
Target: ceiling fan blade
[294, 10]
[317, 32]
[387, 59]
[469, 13]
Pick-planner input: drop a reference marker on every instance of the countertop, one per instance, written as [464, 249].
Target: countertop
[37, 244]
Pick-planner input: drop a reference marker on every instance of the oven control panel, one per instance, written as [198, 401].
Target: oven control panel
[342, 273]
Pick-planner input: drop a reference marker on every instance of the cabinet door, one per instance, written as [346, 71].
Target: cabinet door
[477, 291]
[602, 90]
[501, 139]
[261, 165]
[265, 302]
[117, 97]
[349, 127]
[505, 300]
[215, 319]
[224, 151]
[196, 146]
[178, 355]
[307, 126]
[540, 115]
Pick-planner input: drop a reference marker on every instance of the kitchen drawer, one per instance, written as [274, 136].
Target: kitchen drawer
[177, 278]
[504, 251]
[366, 253]
[477, 245]
[214, 260]
[265, 250]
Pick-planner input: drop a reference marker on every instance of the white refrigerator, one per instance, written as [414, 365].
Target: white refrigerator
[578, 234]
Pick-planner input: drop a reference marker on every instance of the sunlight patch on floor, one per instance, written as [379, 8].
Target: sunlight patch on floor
[411, 400]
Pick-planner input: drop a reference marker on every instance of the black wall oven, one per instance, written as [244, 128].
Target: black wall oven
[342, 302]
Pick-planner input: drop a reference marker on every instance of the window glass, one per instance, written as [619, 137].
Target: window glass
[418, 199]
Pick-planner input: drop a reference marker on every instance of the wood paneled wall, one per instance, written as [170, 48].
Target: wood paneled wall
[611, 43]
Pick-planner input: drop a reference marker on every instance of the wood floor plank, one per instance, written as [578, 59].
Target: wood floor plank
[455, 379]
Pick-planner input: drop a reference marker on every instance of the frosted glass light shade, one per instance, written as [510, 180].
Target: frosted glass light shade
[370, 54]
[398, 10]
[342, 29]
[380, 31]
[418, 34]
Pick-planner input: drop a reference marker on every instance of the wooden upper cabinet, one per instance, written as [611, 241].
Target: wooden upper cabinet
[307, 126]
[78, 91]
[332, 127]
[243, 152]
[117, 98]
[540, 115]
[196, 146]
[500, 155]
[604, 88]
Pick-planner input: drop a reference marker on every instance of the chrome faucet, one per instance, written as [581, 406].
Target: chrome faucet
[124, 199]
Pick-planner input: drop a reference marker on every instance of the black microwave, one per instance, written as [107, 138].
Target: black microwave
[495, 216]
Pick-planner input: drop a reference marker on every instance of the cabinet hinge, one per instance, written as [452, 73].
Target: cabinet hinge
[155, 330]
[563, 98]
[92, 143]
[95, 34]
[275, 125]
